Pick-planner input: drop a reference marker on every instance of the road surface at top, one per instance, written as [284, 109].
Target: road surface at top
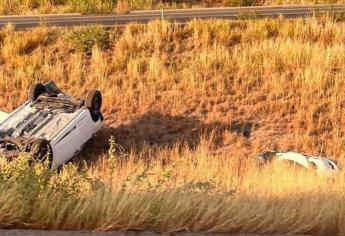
[182, 15]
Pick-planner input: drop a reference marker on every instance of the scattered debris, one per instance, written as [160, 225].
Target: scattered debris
[321, 165]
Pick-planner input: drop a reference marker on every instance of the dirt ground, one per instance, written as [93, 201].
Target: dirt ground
[80, 233]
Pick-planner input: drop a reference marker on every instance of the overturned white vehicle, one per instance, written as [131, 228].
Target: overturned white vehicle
[51, 125]
[321, 165]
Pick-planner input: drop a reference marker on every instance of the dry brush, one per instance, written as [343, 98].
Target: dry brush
[187, 108]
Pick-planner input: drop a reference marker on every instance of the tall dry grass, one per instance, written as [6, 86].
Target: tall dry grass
[280, 81]
[194, 191]
[188, 108]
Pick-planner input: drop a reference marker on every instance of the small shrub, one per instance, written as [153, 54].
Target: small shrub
[242, 3]
[91, 6]
[115, 150]
[122, 7]
[140, 4]
[84, 39]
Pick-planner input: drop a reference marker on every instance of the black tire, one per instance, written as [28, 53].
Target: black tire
[36, 90]
[41, 151]
[93, 102]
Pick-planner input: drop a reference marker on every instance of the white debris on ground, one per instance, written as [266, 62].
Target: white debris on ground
[321, 165]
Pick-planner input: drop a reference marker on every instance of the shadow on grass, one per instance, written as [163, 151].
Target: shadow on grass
[158, 130]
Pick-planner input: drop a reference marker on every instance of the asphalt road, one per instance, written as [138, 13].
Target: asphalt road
[182, 15]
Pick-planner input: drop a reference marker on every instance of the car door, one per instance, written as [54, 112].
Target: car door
[67, 145]
[86, 127]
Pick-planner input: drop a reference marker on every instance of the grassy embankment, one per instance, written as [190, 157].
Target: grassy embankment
[9, 7]
[188, 107]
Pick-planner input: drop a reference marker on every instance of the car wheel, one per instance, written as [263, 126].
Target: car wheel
[41, 150]
[36, 90]
[94, 103]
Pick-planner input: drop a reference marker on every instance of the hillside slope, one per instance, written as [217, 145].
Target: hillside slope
[255, 85]
[186, 110]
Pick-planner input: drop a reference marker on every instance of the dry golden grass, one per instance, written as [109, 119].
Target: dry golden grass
[194, 191]
[279, 80]
[188, 108]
